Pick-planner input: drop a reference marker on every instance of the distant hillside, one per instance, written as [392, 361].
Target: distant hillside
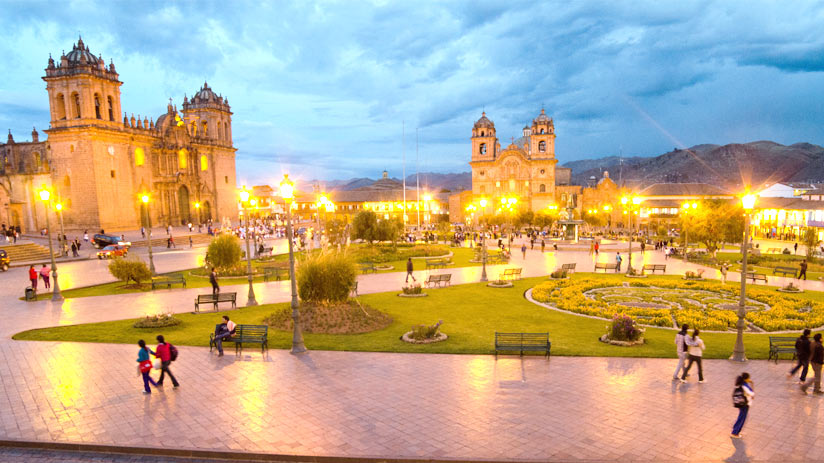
[730, 166]
[430, 180]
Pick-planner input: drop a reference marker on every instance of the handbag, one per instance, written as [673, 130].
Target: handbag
[145, 366]
[156, 364]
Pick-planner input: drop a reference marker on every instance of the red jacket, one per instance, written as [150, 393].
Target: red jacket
[162, 352]
[32, 274]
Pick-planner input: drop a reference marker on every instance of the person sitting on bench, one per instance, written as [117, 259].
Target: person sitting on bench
[223, 331]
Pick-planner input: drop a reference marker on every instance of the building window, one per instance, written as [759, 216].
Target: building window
[139, 157]
[483, 189]
[112, 174]
[482, 173]
[60, 108]
[482, 149]
[482, 133]
[219, 130]
[542, 146]
[226, 179]
[226, 131]
[182, 159]
[111, 108]
[205, 129]
[76, 101]
[97, 106]
[204, 162]
[542, 131]
[542, 188]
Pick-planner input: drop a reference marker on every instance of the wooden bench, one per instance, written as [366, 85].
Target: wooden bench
[367, 267]
[275, 272]
[654, 268]
[773, 251]
[510, 274]
[437, 263]
[438, 280]
[569, 268]
[245, 334]
[606, 266]
[215, 299]
[168, 281]
[781, 345]
[756, 277]
[520, 342]
[786, 271]
[266, 252]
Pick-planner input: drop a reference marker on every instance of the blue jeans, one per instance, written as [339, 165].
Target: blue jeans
[742, 417]
[148, 380]
[219, 340]
[803, 364]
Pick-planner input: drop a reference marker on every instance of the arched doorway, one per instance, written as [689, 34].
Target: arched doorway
[206, 211]
[183, 204]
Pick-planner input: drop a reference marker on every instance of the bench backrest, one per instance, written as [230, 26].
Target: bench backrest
[567, 266]
[774, 340]
[226, 296]
[251, 330]
[206, 298]
[788, 269]
[521, 338]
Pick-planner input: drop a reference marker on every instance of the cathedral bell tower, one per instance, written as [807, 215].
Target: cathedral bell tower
[209, 116]
[542, 137]
[484, 142]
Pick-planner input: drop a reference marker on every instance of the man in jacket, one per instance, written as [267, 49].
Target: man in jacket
[213, 281]
[164, 353]
[409, 269]
[802, 353]
[816, 360]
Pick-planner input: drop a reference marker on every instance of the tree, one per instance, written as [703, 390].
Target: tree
[444, 229]
[129, 269]
[388, 230]
[717, 222]
[524, 218]
[810, 239]
[336, 231]
[365, 226]
[224, 252]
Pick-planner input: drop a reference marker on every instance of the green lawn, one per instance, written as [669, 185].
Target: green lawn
[765, 263]
[471, 315]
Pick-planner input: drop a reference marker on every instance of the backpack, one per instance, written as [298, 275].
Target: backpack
[172, 352]
[739, 399]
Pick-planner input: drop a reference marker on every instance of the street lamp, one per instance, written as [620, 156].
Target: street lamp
[199, 221]
[483, 204]
[287, 192]
[685, 209]
[244, 199]
[145, 200]
[64, 251]
[738, 353]
[631, 204]
[56, 296]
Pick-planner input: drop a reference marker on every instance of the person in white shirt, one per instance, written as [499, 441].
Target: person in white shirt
[743, 386]
[695, 349]
[223, 331]
[681, 350]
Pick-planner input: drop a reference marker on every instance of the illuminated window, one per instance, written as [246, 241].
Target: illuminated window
[182, 159]
[542, 146]
[204, 162]
[139, 157]
[483, 148]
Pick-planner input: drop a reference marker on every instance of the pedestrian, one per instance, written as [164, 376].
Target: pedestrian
[222, 331]
[166, 353]
[86, 236]
[795, 248]
[803, 267]
[597, 248]
[523, 250]
[643, 246]
[802, 353]
[142, 232]
[33, 278]
[695, 350]
[190, 242]
[591, 248]
[816, 360]
[681, 350]
[543, 245]
[144, 366]
[74, 249]
[172, 241]
[742, 397]
[409, 268]
[213, 281]
[532, 243]
[44, 273]
[724, 273]
[618, 260]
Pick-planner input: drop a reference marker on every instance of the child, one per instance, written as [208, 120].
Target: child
[144, 366]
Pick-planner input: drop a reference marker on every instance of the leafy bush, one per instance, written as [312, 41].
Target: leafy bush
[224, 252]
[559, 274]
[129, 269]
[413, 289]
[623, 328]
[387, 253]
[157, 321]
[325, 278]
[346, 318]
[364, 226]
[786, 251]
[424, 332]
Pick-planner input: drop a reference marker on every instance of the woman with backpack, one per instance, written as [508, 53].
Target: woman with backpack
[742, 397]
[144, 366]
[166, 353]
[695, 350]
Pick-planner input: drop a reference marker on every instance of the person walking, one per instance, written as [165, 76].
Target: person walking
[597, 248]
[618, 260]
[681, 350]
[543, 245]
[74, 249]
[33, 278]
[86, 236]
[409, 269]
[213, 281]
[816, 360]
[695, 350]
[795, 248]
[532, 243]
[802, 353]
[742, 397]
[164, 353]
[144, 366]
[44, 273]
[523, 250]
[803, 267]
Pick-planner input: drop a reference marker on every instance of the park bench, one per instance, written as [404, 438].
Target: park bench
[215, 299]
[520, 342]
[510, 274]
[781, 345]
[266, 252]
[168, 281]
[569, 268]
[367, 267]
[654, 268]
[274, 272]
[245, 334]
[785, 271]
[437, 263]
[773, 251]
[756, 277]
[606, 266]
[438, 280]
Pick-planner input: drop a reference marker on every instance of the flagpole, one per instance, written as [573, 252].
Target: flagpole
[403, 150]
[417, 179]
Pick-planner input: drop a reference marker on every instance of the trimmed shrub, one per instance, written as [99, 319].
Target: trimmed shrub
[623, 328]
[326, 278]
[224, 252]
[424, 332]
[412, 289]
[157, 321]
[129, 269]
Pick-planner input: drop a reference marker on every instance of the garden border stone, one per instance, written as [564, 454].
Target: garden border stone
[438, 338]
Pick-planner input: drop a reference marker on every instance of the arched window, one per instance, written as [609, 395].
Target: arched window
[482, 149]
[182, 159]
[76, 101]
[111, 108]
[60, 108]
[97, 106]
[204, 162]
[205, 129]
[542, 146]
[542, 188]
[226, 131]
[482, 133]
[139, 157]
[542, 130]
[563, 198]
[219, 130]
[194, 129]
[38, 163]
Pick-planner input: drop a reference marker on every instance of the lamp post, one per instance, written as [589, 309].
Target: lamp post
[287, 190]
[685, 209]
[56, 296]
[483, 203]
[738, 353]
[630, 203]
[62, 238]
[145, 200]
[244, 200]
[197, 208]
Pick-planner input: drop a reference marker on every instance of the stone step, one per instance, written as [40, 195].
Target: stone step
[27, 252]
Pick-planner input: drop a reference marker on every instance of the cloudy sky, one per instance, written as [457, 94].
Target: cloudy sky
[322, 89]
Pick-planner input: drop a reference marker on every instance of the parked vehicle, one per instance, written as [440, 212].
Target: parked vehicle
[4, 260]
[111, 251]
[101, 241]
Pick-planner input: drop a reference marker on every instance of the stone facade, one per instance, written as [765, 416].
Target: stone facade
[98, 165]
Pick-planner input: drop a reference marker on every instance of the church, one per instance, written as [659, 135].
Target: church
[97, 165]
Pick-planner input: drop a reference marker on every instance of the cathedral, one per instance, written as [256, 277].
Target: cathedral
[526, 169]
[98, 165]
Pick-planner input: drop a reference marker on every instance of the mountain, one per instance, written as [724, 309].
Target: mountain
[730, 166]
[429, 180]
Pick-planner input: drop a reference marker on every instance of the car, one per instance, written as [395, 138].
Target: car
[4, 260]
[112, 250]
[101, 241]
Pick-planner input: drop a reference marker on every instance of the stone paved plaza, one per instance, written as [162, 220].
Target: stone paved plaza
[380, 405]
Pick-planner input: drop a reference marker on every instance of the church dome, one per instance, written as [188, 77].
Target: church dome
[484, 122]
[542, 117]
[205, 94]
[80, 54]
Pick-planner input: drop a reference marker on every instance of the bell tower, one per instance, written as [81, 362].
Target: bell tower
[209, 116]
[484, 142]
[82, 89]
[542, 137]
